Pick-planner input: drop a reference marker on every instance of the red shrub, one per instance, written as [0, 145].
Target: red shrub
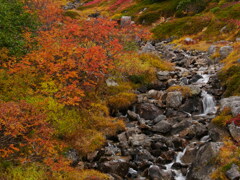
[235, 120]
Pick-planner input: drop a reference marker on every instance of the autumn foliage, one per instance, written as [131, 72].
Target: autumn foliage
[25, 133]
[75, 55]
[49, 95]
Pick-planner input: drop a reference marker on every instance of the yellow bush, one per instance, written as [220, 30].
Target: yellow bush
[223, 117]
[80, 175]
[228, 155]
[156, 62]
[86, 140]
[25, 172]
[92, 175]
[107, 125]
[121, 100]
[185, 90]
[141, 68]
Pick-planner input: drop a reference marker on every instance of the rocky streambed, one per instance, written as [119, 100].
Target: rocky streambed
[168, 134]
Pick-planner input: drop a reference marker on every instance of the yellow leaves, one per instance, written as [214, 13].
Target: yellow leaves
[87, 141]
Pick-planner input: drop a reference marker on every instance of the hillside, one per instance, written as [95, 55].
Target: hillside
[119, 89]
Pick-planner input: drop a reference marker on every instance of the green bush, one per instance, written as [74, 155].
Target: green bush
[180, 27]
[14, 21]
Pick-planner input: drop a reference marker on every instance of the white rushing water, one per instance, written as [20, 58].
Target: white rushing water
[203, 80]
[209, 105]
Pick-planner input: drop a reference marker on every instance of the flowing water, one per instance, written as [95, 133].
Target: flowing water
[209, 105]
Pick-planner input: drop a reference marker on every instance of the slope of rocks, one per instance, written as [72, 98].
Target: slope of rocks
[168, 135]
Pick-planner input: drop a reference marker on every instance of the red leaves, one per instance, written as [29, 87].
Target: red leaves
[235, 120]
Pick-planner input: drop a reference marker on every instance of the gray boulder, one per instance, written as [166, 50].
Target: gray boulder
[225, 51]
[163, 75]
[203, 164]
[174, 99]
[232, 102]
[140, 140]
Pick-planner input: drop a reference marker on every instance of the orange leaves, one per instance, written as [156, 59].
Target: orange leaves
[24, 131]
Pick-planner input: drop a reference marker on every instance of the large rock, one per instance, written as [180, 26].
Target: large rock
[189, 154]
[148, 111]
[191, 105]
[234, 131]
[225, 51]
[204, 162]
[232, 102]
[195, 90]
[162, 127]
[118, 167]
[233, 173]
[174, 99]
[176, 128]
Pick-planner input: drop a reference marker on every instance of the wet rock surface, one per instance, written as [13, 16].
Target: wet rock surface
[169, 135]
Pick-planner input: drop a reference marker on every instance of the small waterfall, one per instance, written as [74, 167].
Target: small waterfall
[178, 173]
[209, 105]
